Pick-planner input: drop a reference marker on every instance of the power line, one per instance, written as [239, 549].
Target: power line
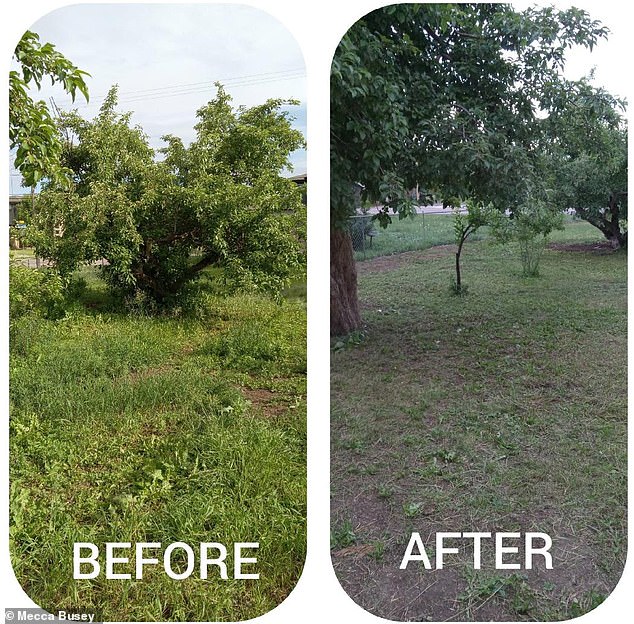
[127, 100]
[199, 87]
[264, 76]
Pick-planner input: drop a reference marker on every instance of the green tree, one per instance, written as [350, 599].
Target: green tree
[32, 130]
[465, 224]
[220, 201]
[586, 157]
[444, 96]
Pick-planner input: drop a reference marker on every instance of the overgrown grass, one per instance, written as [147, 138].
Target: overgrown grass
[504, 410]
[140, 429]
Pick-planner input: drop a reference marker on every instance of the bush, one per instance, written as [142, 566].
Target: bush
[158, 225]
[531, 250]
[529, 226]
[37, 292]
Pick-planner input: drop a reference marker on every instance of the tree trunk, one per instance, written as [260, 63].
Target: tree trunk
[344, 304]
[607, 223]
[37, 257]
[458, 282]
[617, 238]
[463, 238]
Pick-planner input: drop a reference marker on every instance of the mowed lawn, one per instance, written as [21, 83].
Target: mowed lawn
[500, 411]
[192, 428]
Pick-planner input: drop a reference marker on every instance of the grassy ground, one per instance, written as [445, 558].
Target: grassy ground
[411, 234]
[131, 428]
[503, 410]
[429, 230]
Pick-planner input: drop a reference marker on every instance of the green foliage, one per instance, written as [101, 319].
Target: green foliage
[342, 535]
[32, 292]
[586, 157]
[445, 95]
[413, 509]
[32, 131]
[529, 226]
[466, 224]
[219, 202]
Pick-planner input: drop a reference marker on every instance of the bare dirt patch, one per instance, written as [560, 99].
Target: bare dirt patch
[399, 595]
[265, 401]
[397, 261]
[600, 248]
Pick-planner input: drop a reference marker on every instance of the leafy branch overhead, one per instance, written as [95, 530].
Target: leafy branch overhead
[446, 96]
[32, 130]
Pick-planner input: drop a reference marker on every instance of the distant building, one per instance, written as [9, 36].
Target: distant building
[301, 178]
[14, 202]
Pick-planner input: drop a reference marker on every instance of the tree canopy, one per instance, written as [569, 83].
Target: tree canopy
[158, 223]
[445, 95]
[449, 97]
[585, 160]
[32, 130]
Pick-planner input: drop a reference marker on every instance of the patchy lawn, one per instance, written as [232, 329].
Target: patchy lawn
[503, 410]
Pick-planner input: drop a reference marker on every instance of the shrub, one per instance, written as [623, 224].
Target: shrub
[161, 224]
[529, 226]
[38, 292]
[531, 250]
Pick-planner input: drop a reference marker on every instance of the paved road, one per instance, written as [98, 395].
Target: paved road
[435, 209]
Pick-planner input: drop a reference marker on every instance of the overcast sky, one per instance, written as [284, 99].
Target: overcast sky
[166, 57]
[611, 57]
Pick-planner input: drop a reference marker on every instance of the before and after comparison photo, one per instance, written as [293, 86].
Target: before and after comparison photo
[316, 313]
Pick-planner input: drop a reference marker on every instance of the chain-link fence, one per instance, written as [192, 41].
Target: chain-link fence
[362, 231]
